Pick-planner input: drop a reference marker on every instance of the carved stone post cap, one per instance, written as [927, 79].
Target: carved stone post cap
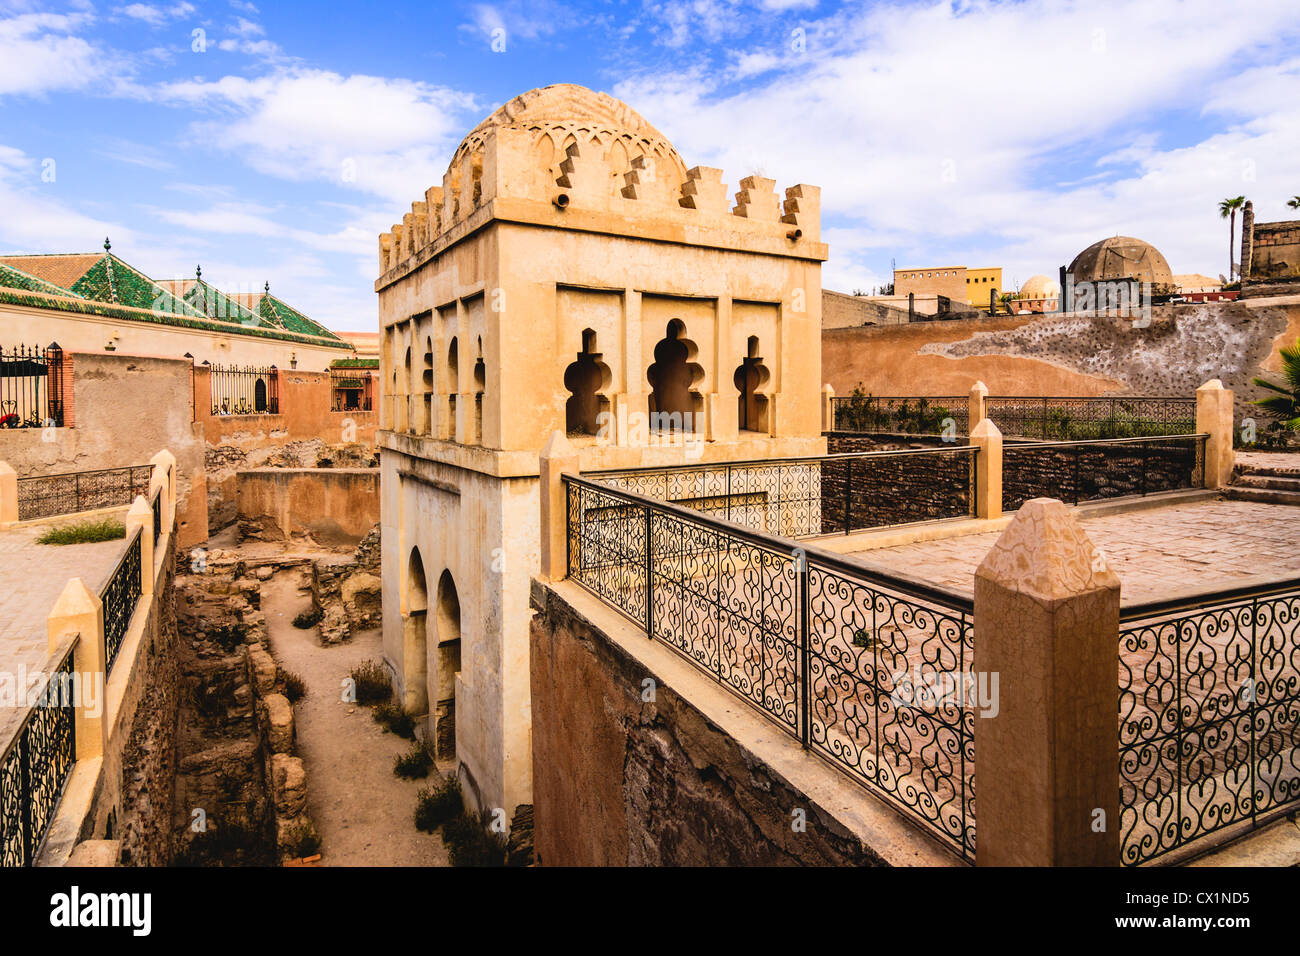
[1045, 553]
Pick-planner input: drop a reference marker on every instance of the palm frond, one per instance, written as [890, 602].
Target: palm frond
[1282, 407]
[1272, 386]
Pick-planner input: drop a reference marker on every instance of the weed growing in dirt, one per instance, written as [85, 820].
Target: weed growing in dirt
[470, 842]
[372, 683]
[395, 720]
[295, 688]
[307, 618]
[84, 532]
[413, 765]
[435, 807]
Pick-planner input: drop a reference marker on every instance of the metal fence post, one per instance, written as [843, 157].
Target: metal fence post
[649, 581]
[805, 606]
[848, 491]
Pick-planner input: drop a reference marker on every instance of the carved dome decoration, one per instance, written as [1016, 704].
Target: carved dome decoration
[1122, 257]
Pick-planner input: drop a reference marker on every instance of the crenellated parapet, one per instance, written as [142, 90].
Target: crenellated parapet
[572, 152]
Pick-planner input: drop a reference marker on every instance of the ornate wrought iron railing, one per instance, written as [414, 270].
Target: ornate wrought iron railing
[902, 415]
[1095, 470]
[829, 650]
[46, 496]
[244, 390]
[351, 390]
[156, 506]
[120, 596]
[828, 494]
[1071, 419]
[1209, 716]
[31, 387]
[35, 766]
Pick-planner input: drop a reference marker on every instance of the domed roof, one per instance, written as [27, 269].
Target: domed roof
[1121, 257]
[572, 108]
[1040, 287]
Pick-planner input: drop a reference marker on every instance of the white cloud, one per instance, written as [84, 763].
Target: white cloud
[43, 54]
[154, 14]
[37, 217]
[942, 125]
[375, 134]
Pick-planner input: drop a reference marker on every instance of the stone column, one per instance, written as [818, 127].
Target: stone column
[557, 457]
[988, 469]
[79, 611]
[8, 493]
[977, 406]
[141, 516]
[1047, 625]
[828, 408]
[1214, 417]
[1247, 240]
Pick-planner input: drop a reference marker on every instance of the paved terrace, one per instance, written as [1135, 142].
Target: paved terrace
[1204, 546]
[31, 578]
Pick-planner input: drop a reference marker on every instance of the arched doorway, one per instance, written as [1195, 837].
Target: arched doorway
[259, 395]
[751, 377]
[675, 400]
[586, 378]
[415, 629]
[446, 667]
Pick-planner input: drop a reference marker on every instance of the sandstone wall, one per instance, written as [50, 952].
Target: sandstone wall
[652, 784]
[334, 506]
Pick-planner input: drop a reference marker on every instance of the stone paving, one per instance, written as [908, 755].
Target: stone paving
[33, 576]
[1204, 545]
[1281, 461]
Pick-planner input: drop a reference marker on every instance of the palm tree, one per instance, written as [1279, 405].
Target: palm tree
[1294, 202]
[1286, 404]
[1228, 210]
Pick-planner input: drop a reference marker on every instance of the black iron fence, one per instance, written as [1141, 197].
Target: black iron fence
[46, 496]
[35, 767]
[244, 390]
[829, 494]
[31, 387]
[833, 652]
[1070, 419]
[120, 596]
[898, 415]
[1094, 470]
[1209, 711]
[351, 390]
[156, 506]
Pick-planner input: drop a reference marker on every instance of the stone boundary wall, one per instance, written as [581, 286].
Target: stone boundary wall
[660, 782]
[334, 506]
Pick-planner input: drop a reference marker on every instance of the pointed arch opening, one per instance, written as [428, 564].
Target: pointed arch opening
[446, 667]
[426, 385]
[480, 386]
[751, 380]
[415, 641]
[587, 378]
[453, 386]
[676, 403]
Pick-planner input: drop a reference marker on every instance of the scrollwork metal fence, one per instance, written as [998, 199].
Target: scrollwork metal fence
[1209, 716]
[901, 415]
[35, 766]
[829, 494]
[120, 596]
[244, 390]
[827, 649]
[47, 496]
[156, 506]
[1073, 419]
[1096, 470]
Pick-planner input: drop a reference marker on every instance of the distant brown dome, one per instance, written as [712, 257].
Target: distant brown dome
[1039, 287]
[1121, 257]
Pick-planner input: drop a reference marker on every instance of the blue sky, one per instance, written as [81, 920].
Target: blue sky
[274, 141]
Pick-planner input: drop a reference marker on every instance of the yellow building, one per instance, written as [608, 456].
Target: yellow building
[958, 283]
[979, 282]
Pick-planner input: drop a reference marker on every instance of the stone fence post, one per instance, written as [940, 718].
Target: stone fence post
[141, 516]
[557, 457]
[8, 493]
[164, 464]
[1214, 417]
[79, 611]
[1047, 625]
[977, 406]
[828, 408]
[988, 469]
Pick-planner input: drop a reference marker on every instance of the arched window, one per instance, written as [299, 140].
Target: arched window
[675, 400]
[415, 666]
[259, 395]
[447, 666]
[751, 379]
[453, 386]
[586, 378]
[426, 385]
[480, 385]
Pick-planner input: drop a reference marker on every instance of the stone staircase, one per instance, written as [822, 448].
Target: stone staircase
[1267, 484]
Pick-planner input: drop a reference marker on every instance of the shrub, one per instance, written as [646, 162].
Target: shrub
[470, 842]
[84, 532]
[371, 683]
[302, 840]
[295, 688]
[395, 720]
[307, 618]
[440, 805]
[414, 764]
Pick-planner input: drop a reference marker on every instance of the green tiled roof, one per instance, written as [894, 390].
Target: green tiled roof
[277, 313]
[12, 278]
[355, 363]
[213, 303]
[112, 280]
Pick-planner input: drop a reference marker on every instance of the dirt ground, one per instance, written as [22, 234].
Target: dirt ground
[362, 810]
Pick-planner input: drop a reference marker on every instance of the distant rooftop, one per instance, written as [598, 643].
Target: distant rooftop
[86, 282]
